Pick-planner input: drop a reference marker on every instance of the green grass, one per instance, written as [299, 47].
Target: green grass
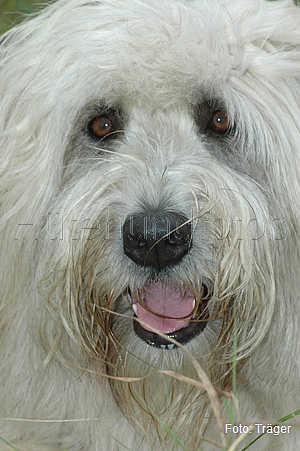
[11, 447]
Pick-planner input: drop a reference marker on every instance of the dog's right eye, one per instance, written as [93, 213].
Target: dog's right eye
[101, 126]
[220, 122]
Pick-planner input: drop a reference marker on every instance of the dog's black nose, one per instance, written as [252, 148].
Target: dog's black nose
[157, 239]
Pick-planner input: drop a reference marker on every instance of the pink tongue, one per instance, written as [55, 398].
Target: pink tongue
[167, 301]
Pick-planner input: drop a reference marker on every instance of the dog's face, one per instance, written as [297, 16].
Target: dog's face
[168, 201]
[163, 145]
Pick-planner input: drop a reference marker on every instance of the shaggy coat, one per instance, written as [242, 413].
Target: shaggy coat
[149, 199]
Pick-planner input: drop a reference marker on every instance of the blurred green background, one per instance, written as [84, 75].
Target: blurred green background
[11, 11]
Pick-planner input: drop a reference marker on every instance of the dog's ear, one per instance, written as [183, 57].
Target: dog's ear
[275, 21]
[281, 22]
[269, 32]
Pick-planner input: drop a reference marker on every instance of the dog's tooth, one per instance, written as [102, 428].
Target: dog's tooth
[134, 308]
[170, 346]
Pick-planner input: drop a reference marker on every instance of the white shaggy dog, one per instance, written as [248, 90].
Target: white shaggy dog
[150, 171]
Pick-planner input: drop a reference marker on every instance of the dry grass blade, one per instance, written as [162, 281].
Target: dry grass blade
[206, 382]
[194, 382]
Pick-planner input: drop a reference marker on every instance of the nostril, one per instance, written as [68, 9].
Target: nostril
[133, 241]
[156, 239]
[170, 240]
[179, 236]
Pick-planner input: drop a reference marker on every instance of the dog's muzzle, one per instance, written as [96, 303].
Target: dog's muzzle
[160, 240]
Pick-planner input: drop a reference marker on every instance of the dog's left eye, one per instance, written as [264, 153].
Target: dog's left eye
[220, 122]
[101, 126]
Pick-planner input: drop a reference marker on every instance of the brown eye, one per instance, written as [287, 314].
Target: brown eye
[101, 126]
[220, 122]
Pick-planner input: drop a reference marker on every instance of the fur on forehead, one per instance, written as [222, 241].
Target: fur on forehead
[167, 45]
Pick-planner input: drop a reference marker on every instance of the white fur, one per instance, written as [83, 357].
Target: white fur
[64, 200]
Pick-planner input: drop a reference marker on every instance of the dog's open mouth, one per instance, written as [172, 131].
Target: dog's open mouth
[172, 311]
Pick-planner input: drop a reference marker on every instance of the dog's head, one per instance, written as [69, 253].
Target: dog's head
[150, 171]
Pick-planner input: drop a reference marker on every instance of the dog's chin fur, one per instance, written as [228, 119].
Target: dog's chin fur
[77, 374]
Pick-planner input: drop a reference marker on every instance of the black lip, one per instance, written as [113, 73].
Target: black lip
[183, 335]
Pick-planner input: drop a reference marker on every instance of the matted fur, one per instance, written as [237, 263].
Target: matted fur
[66, 321]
